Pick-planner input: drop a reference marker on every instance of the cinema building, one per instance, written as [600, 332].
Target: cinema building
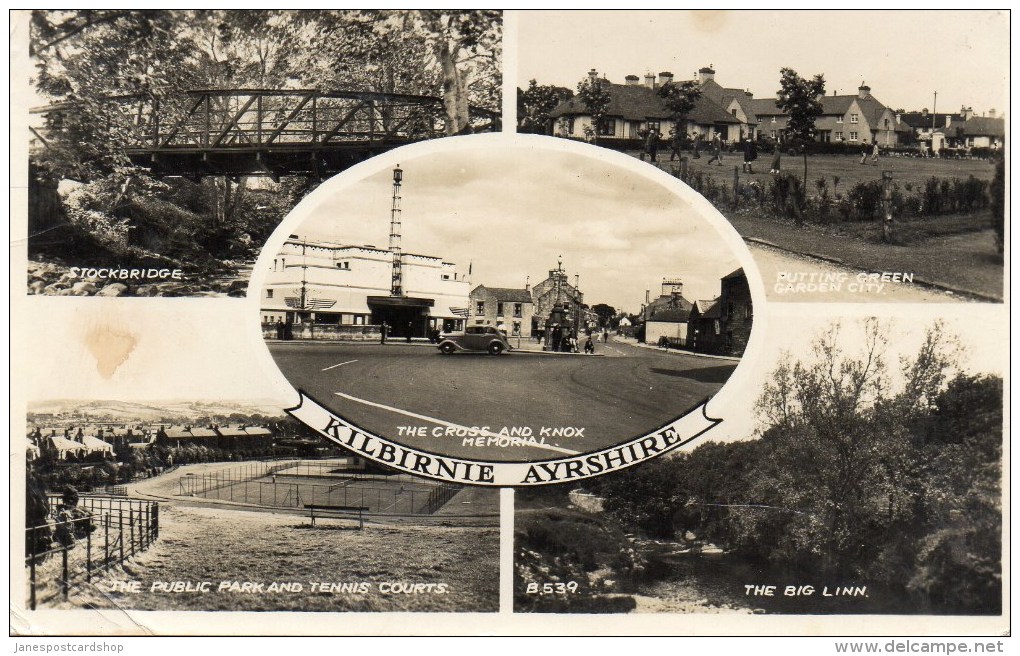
[323, 290]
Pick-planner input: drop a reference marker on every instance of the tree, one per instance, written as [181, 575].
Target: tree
[604, 312]
[593, 93]
[680, 98]
[800, 98]
[535, 104]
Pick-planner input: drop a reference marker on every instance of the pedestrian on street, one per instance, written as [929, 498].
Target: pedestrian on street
[605, 335]
[589, 346]
[697, 146]
[410, 327]
[557, 337]
[382, 333]
[716, 150]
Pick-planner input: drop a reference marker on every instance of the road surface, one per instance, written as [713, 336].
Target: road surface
[418, 397]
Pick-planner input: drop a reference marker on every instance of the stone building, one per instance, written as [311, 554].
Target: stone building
[736, 312]
[557, 289]
[508, 309]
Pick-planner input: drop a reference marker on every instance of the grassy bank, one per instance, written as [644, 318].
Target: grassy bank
[457, 568]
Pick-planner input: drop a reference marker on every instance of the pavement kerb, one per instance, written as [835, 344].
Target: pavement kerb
[918, 280]
[680, 351]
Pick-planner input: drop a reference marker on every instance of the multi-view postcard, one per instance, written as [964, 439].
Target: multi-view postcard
[408, 321]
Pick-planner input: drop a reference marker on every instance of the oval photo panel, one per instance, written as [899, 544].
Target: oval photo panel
[506, 310]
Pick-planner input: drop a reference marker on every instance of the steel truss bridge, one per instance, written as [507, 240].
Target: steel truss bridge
[273, 133]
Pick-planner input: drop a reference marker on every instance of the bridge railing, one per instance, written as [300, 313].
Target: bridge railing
[261, 119]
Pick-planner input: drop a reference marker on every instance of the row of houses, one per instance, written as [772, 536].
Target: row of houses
[719, 326]
[82, 441]
[734, 114]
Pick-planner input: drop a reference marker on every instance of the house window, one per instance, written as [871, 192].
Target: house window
[886, 124]
[853, 118]
[772, 134]
[839, 136]
[654, 125]
[608, 127]
[734, 111]
[344, 265]
[269, 293]
[853, 136]
[499, 309]
[839, 119]
[518, 309]
[446, 276]
[773, 119]
[480, 308]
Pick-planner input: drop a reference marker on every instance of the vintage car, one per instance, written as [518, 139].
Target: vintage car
[475, 338]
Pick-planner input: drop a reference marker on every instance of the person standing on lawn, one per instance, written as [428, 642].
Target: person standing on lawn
[652, 144]
[874, 152]
[776, 157]
[750, 154]
[716, 150]
[676, 144]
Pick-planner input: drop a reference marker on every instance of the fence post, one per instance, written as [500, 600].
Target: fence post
[64, 585]
[155, 521]
[131, 524]
[736, 186]
[106, 540]
[120, 523]
[88, 556]
[31, 570]
[887, 208]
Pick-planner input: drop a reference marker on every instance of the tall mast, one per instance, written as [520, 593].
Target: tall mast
[397, 286]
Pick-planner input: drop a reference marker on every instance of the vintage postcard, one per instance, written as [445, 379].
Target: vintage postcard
[409, 322]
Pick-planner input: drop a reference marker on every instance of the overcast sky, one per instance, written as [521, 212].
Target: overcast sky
[510, 212]
[904, 56]
[981, 331]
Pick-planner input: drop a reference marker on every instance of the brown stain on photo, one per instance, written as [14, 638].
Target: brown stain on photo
[110, 346]
[709, 20]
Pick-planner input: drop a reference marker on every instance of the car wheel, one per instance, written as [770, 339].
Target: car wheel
[495, 348]
[446, 348]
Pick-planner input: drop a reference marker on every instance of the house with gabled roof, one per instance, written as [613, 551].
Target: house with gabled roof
[855, 119]
[636, 107]
[705, 326]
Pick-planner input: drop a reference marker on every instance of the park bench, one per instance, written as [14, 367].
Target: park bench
[317, 510]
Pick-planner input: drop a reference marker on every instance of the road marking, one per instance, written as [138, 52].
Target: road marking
[339, 365]
[449, 424]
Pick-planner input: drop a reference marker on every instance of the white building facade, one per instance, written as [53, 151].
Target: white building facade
[329, 284]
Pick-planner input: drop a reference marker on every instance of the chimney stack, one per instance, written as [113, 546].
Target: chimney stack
[648, 296]
[649, 80]
[863, 91]
[991, 113]
[705, 74]
[665, 77]
[632, 80]
[593, 75]
[967, 112]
